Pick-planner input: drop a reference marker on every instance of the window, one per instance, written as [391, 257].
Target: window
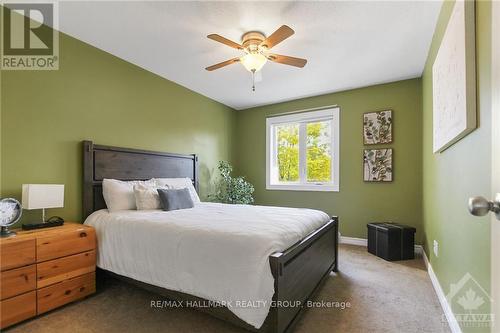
[303, 151]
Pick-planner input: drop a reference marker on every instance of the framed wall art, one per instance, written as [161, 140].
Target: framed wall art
[454, 79]
[377, 127]
[377, 165]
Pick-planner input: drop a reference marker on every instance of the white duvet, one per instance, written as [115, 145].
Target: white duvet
[215, 251]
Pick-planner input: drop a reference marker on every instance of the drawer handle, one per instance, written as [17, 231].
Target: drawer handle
[82, 289]
[25, 277]
[67, 292]
[83, 234]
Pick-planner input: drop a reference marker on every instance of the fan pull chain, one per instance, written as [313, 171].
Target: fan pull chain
[253, 79]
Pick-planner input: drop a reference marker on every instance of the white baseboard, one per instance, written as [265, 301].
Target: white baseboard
[450, 317]
[364, 242]
[426, 262]
[353, 241]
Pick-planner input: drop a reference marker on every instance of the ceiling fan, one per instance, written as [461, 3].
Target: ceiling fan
[256, 47]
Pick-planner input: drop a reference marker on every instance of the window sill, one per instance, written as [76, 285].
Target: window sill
[297, 187]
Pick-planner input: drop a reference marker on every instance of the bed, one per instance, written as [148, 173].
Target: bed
[299, 246]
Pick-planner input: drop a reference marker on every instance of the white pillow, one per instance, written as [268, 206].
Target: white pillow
[119, 195]
[178, 183]
[146, 196]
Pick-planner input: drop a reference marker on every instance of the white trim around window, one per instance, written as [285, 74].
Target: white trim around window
[302, 118]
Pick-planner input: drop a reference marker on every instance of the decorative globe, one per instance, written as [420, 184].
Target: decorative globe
[10, 213]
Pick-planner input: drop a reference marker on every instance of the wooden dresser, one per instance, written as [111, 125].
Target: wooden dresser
[44, 269]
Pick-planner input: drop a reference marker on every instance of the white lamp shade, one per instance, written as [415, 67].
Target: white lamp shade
[253, 61]
[37, 196]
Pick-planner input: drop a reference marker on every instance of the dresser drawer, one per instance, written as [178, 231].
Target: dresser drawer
[16, 309]
[55, 245]
[51, 297]
[57, 270]
[17, 281]
[17, 252]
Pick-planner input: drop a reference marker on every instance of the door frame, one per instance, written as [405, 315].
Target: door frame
[495, 157]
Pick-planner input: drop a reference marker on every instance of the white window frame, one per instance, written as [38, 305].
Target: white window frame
[303, 118]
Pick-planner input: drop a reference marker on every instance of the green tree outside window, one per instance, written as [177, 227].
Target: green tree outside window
[318, 151]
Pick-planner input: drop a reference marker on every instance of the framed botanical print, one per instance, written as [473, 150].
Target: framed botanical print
[377, 165]
[377, 127]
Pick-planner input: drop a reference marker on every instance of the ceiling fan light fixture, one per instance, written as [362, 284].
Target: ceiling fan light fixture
[253, 62]
[256, 46]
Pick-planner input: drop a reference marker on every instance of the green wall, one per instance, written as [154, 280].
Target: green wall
[358, 202]
[96, 96]
[461, 171]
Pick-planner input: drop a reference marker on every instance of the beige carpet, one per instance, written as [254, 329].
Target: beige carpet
[384, 297]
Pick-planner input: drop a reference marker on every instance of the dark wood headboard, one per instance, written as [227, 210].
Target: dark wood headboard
[101, 162]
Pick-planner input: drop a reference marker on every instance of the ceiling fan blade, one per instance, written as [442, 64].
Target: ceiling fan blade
[223, 40]
[222, 64]
[278, 36]
[287, 60]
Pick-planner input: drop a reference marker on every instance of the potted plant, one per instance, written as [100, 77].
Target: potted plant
[232, 190]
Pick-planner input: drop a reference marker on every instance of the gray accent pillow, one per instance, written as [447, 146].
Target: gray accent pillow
[175, 199]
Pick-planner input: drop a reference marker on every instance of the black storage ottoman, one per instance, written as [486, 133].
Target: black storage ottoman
[391, 241]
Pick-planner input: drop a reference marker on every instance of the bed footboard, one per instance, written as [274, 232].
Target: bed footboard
[299, 271]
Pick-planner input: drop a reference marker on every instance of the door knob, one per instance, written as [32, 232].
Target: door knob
[479, 206]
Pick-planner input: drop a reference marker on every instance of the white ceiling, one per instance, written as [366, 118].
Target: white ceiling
[347, 44]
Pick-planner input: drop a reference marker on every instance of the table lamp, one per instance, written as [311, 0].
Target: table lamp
[43, 196]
